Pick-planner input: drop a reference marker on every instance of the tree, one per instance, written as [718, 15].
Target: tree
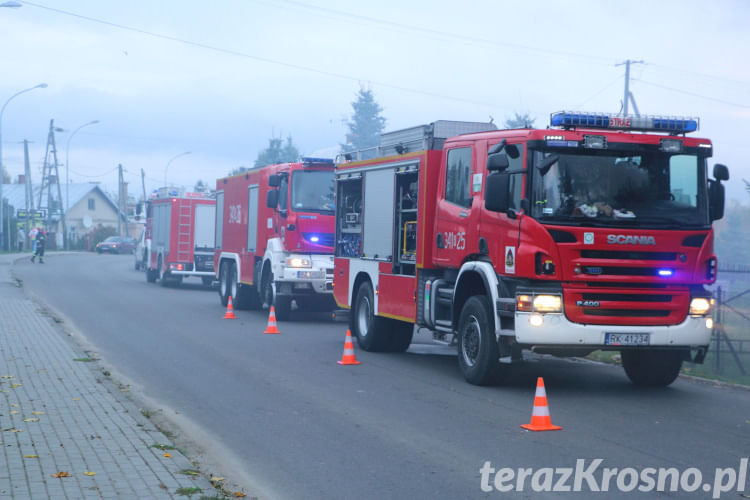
[520, 121]
[200, 187]
[366, 124]
[277, 152]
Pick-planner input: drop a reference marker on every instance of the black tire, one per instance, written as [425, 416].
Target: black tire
[151, 274]
[207, 281]
[137, 265]
[282, 305]
[401, 334]
[651, 367]
[243, 296]
[163, 274]
[224, 283]
[371, 331]
[478, 353]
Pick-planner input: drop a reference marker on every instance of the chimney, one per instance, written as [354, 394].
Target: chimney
[21, 179]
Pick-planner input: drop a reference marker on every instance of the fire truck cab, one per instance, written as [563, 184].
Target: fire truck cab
[593, 234]
[274, 237]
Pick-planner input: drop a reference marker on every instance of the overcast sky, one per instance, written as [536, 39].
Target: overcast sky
[245, 70]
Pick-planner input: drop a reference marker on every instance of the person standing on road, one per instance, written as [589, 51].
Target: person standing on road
[41, 239]
[32, 236]
[20, 236]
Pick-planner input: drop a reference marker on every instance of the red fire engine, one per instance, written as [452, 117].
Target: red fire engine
[274, 237]
[593, 234]
[180, 237]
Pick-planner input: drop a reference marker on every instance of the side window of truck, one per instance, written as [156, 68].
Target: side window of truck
[283, 192]
[516, 169]
[457, 177]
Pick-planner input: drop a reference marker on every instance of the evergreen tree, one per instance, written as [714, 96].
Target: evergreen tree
[366, 124]
[277, 152]
[520, 121]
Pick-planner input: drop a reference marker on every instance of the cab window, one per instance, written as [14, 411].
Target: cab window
[457, 180]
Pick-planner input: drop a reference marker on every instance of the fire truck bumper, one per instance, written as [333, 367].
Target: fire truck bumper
[557, 330]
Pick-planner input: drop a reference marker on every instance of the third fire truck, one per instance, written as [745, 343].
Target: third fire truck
[592, 234]
[274, 237]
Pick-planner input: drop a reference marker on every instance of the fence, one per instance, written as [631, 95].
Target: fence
[723, 347]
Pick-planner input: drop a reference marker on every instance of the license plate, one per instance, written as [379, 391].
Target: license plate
[626, 339]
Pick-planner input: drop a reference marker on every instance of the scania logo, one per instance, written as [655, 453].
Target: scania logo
[621, 239]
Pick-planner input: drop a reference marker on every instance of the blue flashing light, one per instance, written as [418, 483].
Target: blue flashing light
[316, 161]
[314, 239]
[645, 123]
[665, 272]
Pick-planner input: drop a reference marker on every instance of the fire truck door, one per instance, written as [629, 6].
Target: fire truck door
[457, 213]
[499, 232]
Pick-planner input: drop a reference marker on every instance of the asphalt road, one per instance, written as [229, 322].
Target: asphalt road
[398, 426]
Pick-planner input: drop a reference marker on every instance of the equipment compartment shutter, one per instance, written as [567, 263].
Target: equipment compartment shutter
[204, 226]
[252, 217]
[219, 219]
[377, 241]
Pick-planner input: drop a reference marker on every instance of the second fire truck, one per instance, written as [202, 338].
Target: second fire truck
[593, 234]
[274, 237]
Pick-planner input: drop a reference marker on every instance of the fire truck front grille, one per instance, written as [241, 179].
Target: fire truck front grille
[627, 313]
[644, 306]
[620, 271]
[621, 255]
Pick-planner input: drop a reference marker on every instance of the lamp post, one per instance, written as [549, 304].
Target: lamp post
[40, 86]
[169, 162]
[67, 182]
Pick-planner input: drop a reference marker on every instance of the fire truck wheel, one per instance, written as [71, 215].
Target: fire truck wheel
[651, 368]
[150, 275]
[207, 281]
[224, 283]
[478, 354]
[371, 331]
[401, 335]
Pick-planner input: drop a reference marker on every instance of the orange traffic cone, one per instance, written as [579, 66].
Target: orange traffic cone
[348, 358]
[540, 419]
[230, 310]
[271, 328]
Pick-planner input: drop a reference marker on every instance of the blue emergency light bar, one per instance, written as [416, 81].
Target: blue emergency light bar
[645, 123]
[317, 161]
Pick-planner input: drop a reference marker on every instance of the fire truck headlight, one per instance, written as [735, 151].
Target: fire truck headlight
[536, 320]
[700, 306]
[298, 262]
[547, 303]
[523, 302]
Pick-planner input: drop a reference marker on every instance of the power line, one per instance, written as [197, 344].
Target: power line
[267, 60]
[429, 31]
[693, 94]
[580, 106]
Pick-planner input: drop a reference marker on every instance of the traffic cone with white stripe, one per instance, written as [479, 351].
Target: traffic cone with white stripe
[348, 358]
[271, 328]
[230, 310]
[540, 418]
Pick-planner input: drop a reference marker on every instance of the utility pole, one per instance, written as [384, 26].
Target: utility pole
[27, 182]
[120, 199]
[628, 95]
[143, 184]
[50, 176]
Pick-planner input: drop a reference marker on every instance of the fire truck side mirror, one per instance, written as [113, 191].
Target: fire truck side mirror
[272, 198]
[496, 192]
[274, 180]
[497, 162]
[716, 199]
[721, 172]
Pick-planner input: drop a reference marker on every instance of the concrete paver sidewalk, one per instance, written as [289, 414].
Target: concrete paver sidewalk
[56, 417]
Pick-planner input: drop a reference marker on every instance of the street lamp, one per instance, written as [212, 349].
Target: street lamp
[67, 182]
[40, 86]
[170, 161]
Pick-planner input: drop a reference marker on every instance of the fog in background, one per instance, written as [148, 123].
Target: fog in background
[220, 78]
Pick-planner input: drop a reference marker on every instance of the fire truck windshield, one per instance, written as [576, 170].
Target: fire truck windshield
[619, 188]
[312, 191]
